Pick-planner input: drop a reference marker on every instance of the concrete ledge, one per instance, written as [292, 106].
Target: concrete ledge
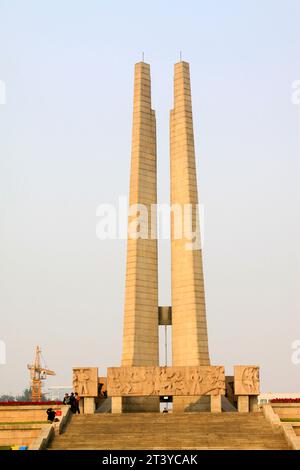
[65, 417]
[29, 407]
[279, 404]
[272, 417]
[43, 440]
[296, 427]
[286, 429]
[21, 426]
[290, 436]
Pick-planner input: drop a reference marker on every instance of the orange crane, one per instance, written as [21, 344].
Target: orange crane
[37, 375]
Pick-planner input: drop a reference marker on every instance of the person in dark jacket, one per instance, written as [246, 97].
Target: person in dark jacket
[66, 400]
[51, 415]
[77, 400]
[73, 403]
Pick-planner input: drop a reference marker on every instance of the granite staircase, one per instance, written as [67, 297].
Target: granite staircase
[156, 431]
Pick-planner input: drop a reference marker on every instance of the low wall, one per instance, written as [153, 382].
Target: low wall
[287, 429]
[26, 413]
[27, 424]
[287, 410]
[18, 435]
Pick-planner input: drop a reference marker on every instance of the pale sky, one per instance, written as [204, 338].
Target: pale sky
[65, 135]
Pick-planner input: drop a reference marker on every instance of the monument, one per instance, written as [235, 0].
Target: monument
[191, 382]
[189, 330]
[140, 337]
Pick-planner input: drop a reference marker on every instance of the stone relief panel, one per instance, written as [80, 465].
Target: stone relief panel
[246, 380]
[85, 381]
[159, 381]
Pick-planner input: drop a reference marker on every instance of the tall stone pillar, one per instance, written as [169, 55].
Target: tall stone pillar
[189, 328]
[140, 337]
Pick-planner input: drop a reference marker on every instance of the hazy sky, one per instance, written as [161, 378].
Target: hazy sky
[65, 135]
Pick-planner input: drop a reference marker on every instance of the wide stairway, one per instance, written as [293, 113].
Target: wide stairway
[155, 431]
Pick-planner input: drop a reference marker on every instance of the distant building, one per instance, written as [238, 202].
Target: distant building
[57, 392]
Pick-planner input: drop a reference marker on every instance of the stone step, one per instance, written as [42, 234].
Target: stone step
[169, 431]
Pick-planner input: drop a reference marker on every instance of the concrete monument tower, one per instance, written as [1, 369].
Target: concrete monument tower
[140, 337]
[190, 344]
[189, 329]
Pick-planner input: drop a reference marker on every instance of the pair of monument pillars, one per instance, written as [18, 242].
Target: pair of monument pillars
[141, 318]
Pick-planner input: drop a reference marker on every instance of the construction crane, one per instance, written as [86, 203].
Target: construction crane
[37, 375]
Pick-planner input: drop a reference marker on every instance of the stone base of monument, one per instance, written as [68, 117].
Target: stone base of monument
[116, 405]
[192, 388]
[195, 403]
[89, 405]
[253, 403]
[180, 404]
[211, 403]
[135, 404]
[140, 404]
[243, 404]
[247, 403]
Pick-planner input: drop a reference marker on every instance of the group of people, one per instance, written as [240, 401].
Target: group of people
[72, 400]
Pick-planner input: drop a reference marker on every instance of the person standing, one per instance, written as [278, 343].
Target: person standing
[73, 403]
[66, 400]
[77, 400]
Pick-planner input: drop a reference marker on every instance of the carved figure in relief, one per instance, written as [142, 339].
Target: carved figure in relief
[197, 380]
[114, 381]
[157, 381]
[178, 383]
[250, 379]
[148, 381]
[80, 381]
